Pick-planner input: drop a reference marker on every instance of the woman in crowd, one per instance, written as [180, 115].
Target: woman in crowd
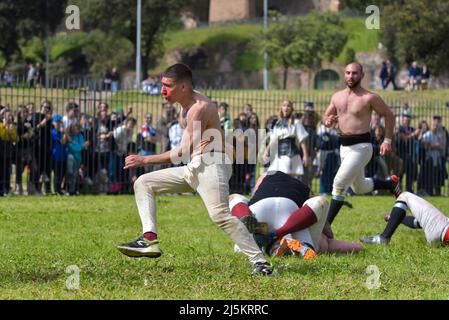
[290, 138]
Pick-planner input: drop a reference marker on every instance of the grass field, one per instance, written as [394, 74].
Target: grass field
[42, 236]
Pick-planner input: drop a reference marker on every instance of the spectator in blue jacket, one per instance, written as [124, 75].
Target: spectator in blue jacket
[75, 146]
[414, 76]
[58, 153]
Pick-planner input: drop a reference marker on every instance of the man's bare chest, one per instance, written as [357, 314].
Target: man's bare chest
[352, 106]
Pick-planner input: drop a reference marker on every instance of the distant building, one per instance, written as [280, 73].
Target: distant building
[235, 10]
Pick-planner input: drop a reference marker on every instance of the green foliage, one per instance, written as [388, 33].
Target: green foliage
[198, 261]
[104, 51]
[249, 60]
[303, 42]
[59, 68]
[21, 20]
[118, 18]
[33, 50]
[359, 37]
[68, 45]
[418, 30]
[350, 55]
[227, 38]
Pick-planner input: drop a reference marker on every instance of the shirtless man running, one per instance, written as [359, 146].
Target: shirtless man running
[351, 110]
[208, 171]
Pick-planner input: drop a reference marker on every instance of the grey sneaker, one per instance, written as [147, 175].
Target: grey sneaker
[262, 269]
[141, 247]
[377, 239]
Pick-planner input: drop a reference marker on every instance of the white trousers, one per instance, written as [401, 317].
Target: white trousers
[211, 183]
[352, 169]
[433, 222]
[275, 212]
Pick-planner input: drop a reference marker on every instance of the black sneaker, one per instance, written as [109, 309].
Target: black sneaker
[141, 247]
[262, 269]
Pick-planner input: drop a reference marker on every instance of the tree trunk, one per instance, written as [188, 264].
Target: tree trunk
[284, 85]
[148, 47]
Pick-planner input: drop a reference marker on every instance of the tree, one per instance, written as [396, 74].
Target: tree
[21, 20]
[418, 30]
[303, 42]
[100, 44]
[118, 18]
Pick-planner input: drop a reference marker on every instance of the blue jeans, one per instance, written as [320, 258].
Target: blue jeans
[114, 86]
[116, 164]
[73, 167]
[59, 169]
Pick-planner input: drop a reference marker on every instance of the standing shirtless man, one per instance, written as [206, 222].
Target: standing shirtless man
[207, 171]
[351, 110]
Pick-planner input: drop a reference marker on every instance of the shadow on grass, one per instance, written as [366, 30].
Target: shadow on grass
[33, 276]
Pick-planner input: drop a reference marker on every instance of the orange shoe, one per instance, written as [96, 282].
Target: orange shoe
[302, 249]
[281, 249]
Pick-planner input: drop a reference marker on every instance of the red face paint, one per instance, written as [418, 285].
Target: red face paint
[166, 92]
[167, 88]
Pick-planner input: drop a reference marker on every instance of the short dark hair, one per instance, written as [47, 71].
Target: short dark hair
[223, 105]
[131, 119]
[359, 64]
[179, 71]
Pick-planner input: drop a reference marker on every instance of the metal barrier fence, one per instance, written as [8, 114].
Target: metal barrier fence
[33, 160]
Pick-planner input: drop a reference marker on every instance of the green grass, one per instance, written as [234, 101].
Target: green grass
[42, 236]
[360, 38]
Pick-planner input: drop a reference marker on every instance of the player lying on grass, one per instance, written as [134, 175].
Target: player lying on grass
[296, 222]
[434, 223]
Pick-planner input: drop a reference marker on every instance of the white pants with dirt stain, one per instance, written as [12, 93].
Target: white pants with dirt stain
[352, 170]
[432, 220]
[211, 183]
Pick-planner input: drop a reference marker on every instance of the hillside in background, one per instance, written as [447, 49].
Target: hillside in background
[235, 43]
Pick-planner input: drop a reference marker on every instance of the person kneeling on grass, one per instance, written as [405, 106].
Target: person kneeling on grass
[434, 223]
[285, 220]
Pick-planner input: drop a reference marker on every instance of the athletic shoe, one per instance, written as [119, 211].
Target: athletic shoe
[141, 247]
[377, 239]
[280, 249]
[301, 249]
[262, 269]
[250, 223]
[395, 186]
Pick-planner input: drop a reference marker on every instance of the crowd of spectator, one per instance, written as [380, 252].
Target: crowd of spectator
[417, 77]
[74, 152]
[35, 75]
